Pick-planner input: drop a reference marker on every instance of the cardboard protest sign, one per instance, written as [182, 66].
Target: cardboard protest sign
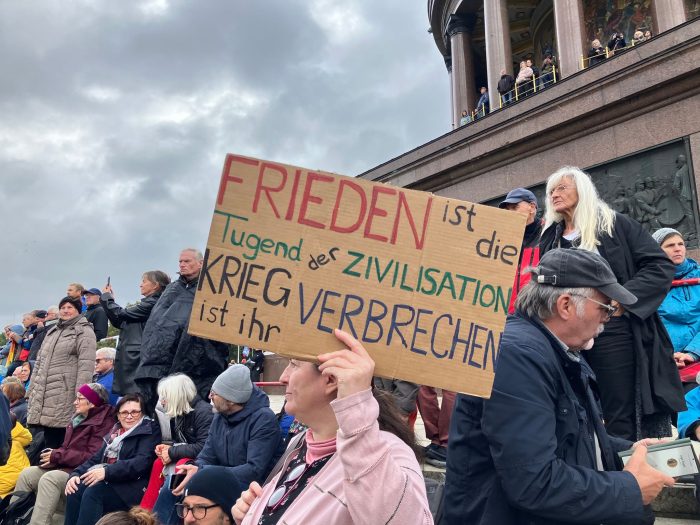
[422, 281]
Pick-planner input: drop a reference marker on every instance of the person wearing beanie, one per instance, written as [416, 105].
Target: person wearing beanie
[209, 497]
[680, 310]
[244, 435]
[92, 420]
[67, 361]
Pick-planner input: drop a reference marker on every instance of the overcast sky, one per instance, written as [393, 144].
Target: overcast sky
[115, 118]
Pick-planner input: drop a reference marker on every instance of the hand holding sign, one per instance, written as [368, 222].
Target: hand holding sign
[421, 283]
[353, 367]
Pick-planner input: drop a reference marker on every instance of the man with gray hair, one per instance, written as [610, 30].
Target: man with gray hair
[167, 348]
[537, 451]
[104, 371]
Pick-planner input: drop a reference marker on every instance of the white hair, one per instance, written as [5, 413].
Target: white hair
[197, 254]
[540, 300]
[178, 390]
[53, 308]
[107, 352]
[591, 217]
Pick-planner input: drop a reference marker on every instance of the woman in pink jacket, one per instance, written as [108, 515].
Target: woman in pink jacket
[345, 470]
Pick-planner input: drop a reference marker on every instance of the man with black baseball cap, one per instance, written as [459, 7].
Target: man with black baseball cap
[537, 451]
[94, 313]
[524, 202]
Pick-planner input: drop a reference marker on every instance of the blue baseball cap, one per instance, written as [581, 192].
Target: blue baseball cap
[518, 195]
[92, 291]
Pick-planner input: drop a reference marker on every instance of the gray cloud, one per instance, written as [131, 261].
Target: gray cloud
[117, 117]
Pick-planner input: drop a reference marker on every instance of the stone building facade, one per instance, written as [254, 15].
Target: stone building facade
[632, 121]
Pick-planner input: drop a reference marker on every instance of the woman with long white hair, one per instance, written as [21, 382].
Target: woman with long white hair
[633, 358]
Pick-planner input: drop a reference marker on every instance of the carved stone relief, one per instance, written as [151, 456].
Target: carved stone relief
[654, 187]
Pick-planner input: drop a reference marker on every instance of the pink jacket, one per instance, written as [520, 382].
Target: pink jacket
[373, 478]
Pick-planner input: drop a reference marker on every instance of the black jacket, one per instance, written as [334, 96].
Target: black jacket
[129, 474]
[192, 428]
[527, 455]
[39, 338]
[167, 323]
[645, 270]
[131, 321]
[96, 315]
[505, 84]
[167, 348]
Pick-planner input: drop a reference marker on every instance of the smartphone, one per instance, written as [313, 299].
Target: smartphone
[175, 480]
[108, 279]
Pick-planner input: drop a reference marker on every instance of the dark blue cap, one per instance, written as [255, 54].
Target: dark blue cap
[518, 195]
[93, 291]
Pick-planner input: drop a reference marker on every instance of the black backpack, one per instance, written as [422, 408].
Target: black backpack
[19, 512]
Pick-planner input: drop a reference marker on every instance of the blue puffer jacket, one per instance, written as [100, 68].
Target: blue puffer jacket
[680, 311]
[249, 441]
[689, 420]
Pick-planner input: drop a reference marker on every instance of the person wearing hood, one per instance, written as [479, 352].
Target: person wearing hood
[680, 310]
[67, 361]
[244, 435]
[92, 420]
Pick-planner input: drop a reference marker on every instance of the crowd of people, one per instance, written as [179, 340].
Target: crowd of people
[597, 53]
[162, 430]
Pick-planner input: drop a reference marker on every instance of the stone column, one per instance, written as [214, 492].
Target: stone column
[571, 39]
[667, 14]
[448, 66]
[498, 51]
[459, 30]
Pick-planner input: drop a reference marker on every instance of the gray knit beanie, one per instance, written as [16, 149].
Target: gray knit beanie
[234, 384]
[662, 234]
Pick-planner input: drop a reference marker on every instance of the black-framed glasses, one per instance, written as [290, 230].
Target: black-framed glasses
[199, 512]
[127, 413]
[609, 309]
[289, 484]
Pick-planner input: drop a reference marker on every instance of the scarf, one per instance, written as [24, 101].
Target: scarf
[65, 324]
[116, 437]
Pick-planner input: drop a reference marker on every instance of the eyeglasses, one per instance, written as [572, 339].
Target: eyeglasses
[199, 512]
[80, 398]
[609, 309]
[293, 477]
[126, 413]
[559, 189]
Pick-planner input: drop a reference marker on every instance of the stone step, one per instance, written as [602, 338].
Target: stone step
[673, 502]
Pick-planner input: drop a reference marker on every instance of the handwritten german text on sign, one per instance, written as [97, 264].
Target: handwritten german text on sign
[422, 281]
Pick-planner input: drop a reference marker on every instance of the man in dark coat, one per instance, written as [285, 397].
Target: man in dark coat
[166, 348]
[95, 314]
[505, 87]
[524, 202]
[638, 398]
[536, 452]
[244, 434]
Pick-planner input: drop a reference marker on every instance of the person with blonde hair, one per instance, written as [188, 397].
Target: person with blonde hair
[633, 358]
[184, 419]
